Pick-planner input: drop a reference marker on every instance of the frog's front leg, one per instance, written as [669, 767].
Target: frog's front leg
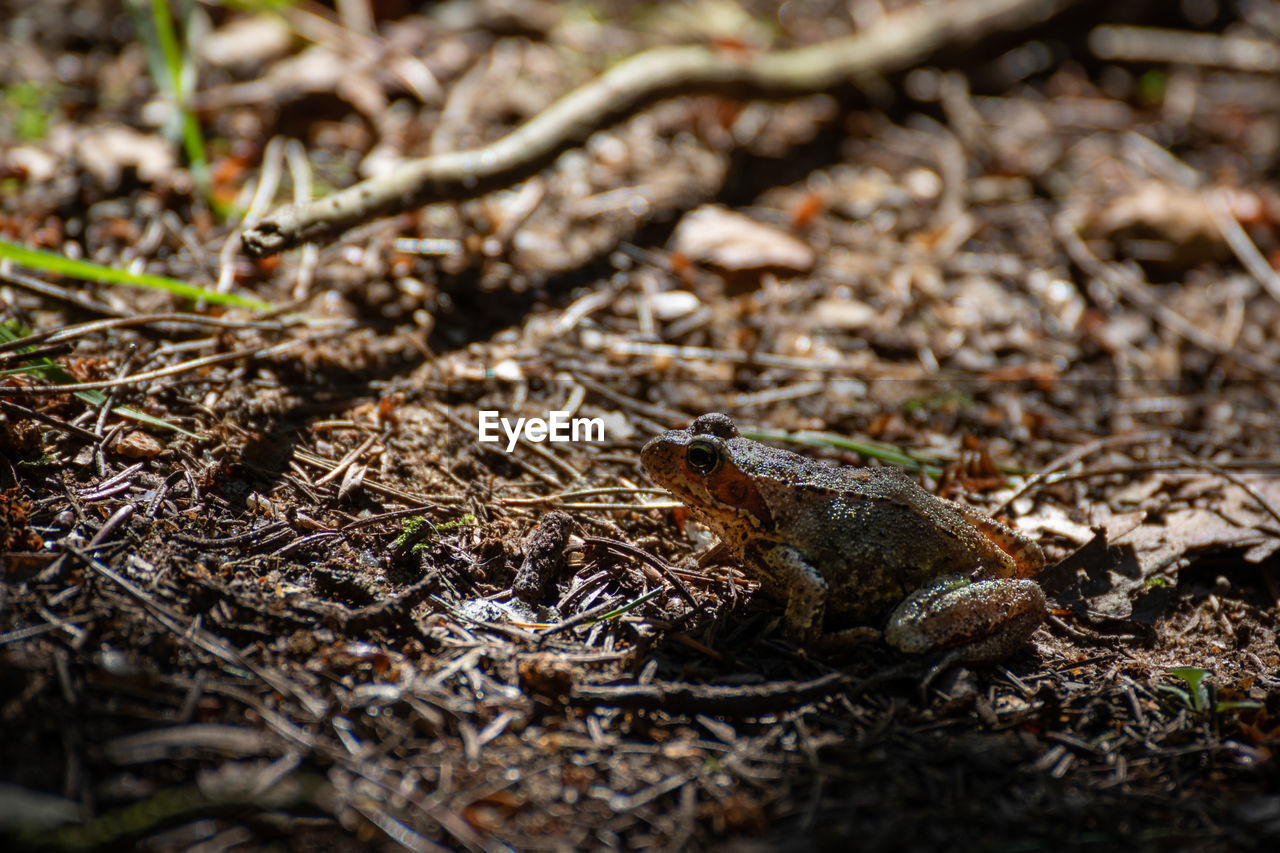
[787, 574]
[977, 620]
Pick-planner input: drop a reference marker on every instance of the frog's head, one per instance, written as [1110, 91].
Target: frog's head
[709, 466]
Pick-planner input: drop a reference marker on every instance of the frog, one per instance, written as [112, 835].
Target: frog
[862, 546]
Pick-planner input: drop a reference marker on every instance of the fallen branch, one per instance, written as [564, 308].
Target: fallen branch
[737, 700]
[898, 42]
[679, 698]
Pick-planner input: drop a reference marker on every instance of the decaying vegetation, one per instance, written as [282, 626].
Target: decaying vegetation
[263, 586]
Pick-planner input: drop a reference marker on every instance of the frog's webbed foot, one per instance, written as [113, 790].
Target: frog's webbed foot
[990, 649]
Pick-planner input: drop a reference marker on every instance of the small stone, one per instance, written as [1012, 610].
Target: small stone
[138, 445]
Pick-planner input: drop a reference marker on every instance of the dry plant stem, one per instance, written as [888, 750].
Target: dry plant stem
[202, 639]
[1243, 247]
[1149, 467]
[1071, 457]
[254, 535]
[1262, 502]
[47, 351]
[658, 565]
[56, 569]
[772, 696]
[24, 412]
[393, 515]
[656, 418]
[268, 182]
[899, 41]
[419, 501]
[1135, 290]
[588, 506]
[346, 461]
[1164, 163]
[562, 498]
[1179, 47]
[66, 332]
[220, 358]
[589, 616]
[71, 297]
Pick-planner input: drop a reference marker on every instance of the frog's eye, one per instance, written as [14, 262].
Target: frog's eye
[703, 457]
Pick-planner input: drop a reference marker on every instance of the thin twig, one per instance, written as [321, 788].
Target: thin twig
[345, 462]
[1071, 457]
[659, 565]
[53, 291]
[678, 697]
[255, 535]
[295, 156]
[55, 569]
[220, 358]
[23, 411]
[1232, 478]
[201, 638]
[422, 501]
[1245, 251]
[113, 481]
[46, 351]
[561, 497]
[1149, 467]
[394, 514]
[596, 614]
[1135, 290]
[1180, 47]
[82, 329]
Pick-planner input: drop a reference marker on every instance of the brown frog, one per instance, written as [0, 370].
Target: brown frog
[851, 543]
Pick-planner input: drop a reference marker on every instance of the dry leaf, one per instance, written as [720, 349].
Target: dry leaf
[247, 42]
[721, 238]
[1160, 221]
[105, 152]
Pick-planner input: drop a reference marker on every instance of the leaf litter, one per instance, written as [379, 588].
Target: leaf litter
[325, 614]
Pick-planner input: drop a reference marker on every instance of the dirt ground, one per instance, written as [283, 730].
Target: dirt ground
[264, 587]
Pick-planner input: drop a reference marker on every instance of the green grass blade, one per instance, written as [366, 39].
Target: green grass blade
[167, 40]
[62, 265]
[630, 605]
[97, 398]
[174, 62]
[871, 449]
[53, 372]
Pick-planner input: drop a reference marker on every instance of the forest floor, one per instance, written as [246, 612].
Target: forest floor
[263, 585]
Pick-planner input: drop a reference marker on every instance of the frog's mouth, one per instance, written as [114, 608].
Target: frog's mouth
[659, 456]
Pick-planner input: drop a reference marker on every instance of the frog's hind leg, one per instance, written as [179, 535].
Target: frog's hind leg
[974, 621]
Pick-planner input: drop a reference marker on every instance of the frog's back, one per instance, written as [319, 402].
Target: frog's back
[873, 533]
